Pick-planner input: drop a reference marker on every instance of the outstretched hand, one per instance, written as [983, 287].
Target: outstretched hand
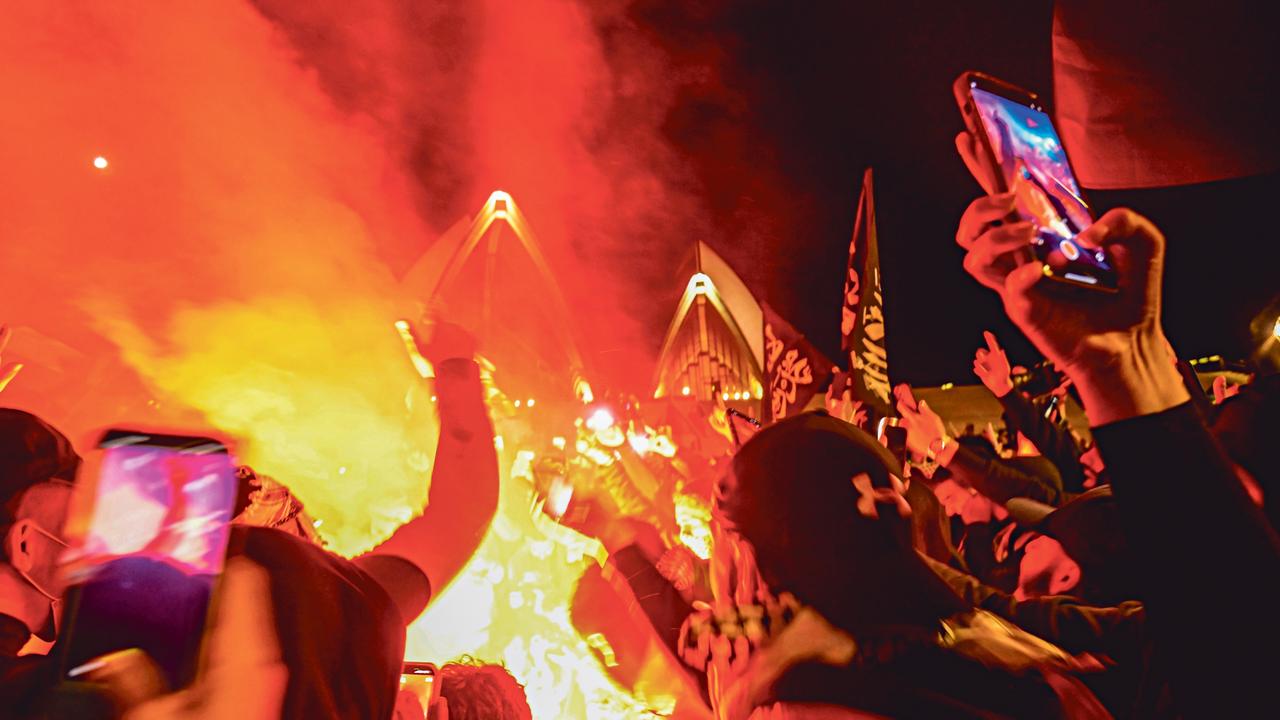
[924, 426]
[991, 365]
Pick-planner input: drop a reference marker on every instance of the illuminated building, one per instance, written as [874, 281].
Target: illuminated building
[714, 344]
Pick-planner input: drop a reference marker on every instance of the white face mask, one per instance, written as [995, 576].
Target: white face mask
[30, 580]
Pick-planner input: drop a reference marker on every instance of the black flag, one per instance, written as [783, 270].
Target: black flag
[862, 316]
[794, 370]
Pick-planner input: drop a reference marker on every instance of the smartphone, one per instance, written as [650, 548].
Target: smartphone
[896, 441]
[417, 682]
[1019, 139]
[148, 542]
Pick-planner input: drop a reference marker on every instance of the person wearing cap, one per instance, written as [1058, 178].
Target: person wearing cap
[37, 468]
[872, 628]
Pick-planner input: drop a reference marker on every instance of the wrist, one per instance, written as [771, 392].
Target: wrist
[1001, 388]
[1136, 378]
[942, 449]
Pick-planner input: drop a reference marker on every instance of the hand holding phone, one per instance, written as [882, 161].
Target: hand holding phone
[1015, 153]
[147, 550]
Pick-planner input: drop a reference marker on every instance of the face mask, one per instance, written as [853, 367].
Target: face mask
[30, 580]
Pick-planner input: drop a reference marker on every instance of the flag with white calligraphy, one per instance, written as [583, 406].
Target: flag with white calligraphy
[794, 370]
[862, 315]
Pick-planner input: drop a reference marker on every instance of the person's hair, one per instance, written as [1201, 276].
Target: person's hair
[477, 690]
[31, 452]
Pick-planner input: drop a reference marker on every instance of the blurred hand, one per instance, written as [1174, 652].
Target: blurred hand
[10, 371]
[840, 404]
[1110, 344]
[923, 425]
[1221, 389]
[440, 340]
[991, 365]
[244, 677]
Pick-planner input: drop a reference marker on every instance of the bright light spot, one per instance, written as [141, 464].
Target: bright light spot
[1275, 331]
[433, 398]
[515, 599]
[639, 443]
[530, 403]
[684, 390]
[724, 396]
[518, 403]
[497, 443]
[600, 420]
[700, 284]
[317, 523]
[342, 471]
[947, 386]
[100, 163]
[557, 442]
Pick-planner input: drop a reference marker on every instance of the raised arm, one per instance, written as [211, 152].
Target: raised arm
[464, 479]
[1207, 558]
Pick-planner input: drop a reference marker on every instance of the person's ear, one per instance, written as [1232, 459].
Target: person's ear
[17, 546]
[1065, 577]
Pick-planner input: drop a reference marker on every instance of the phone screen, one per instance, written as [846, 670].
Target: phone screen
[417, 688]
[147, 550]
[1029, 152]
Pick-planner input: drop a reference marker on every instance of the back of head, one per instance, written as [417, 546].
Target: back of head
[482, 691]
[820, 537]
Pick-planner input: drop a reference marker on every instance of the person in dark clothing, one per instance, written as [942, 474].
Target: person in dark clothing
[994, 477]
[1167, 471]
[1088, 529]
[1055, 442]
[37, 467]
[1132, 685]
[814, 498]
[354, 672]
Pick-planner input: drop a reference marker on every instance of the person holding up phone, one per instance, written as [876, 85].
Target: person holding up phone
[1214, 624]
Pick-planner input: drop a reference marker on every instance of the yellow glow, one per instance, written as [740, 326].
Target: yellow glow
[511, 605]
[1275, 331]
[517, 403]
[557, 442]
[100, 163]
[724, 396]
[530, 403]
[693, 515]
[420, 363]
[947, 386]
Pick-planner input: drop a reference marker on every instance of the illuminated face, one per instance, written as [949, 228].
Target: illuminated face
[1045, 569]
[953, 496]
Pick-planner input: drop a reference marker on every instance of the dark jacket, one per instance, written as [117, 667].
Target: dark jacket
[1055, 442]
[1207, 558]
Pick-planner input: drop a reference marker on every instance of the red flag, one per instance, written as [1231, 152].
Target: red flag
[794, 370]
[862, 315]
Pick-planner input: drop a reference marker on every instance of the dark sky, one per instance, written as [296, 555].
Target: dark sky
[818, 91]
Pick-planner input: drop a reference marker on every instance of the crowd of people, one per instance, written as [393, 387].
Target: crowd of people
[1044, 573]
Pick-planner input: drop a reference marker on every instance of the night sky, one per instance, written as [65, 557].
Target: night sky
[815, 92]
